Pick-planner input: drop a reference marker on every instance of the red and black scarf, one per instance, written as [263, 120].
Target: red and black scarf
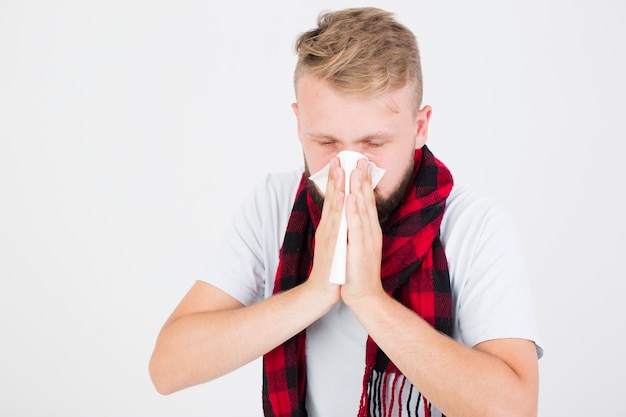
[414, 271]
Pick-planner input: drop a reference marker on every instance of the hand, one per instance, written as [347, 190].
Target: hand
[326, 234]
[365, 239]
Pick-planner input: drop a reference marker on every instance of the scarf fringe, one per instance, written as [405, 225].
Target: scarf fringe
[378, 401]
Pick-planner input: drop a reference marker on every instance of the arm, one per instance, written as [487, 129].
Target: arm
[496, 377]
[210, 333]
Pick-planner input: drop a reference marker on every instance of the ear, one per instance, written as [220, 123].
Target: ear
[296, 111]
[421, 126]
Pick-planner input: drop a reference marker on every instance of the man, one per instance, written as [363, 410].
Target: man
[435, 315]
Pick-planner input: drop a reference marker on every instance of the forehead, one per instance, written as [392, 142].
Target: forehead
[321, 105]
[315, 92]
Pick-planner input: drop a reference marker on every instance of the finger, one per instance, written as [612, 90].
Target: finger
[333, 199]
[362, 191]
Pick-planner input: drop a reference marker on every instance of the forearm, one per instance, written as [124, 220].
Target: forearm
[459, 380]
[199, 347]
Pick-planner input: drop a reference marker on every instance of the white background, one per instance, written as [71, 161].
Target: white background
[131, 130]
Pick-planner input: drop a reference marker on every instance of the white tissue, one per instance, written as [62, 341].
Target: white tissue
[348, 161]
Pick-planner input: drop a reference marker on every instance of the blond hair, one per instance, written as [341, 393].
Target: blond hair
[361, 52]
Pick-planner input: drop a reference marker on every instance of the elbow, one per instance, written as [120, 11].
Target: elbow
[520, 412]
[160, 379]
[522, 406]
[162, 387]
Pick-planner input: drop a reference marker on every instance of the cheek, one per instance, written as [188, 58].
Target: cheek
[394, 175]
[315, 161]
[387, 183]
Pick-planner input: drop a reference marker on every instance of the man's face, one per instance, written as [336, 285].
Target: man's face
[386, 129]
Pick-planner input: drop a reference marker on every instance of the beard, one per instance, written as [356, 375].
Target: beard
[385, 206]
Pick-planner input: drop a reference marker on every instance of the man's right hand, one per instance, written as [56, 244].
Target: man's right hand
[326, 235]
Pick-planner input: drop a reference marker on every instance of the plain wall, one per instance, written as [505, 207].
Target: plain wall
[131, 130]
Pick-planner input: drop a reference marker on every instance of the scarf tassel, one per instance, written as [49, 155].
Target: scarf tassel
[374, 397]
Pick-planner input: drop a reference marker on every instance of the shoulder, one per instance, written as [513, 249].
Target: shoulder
[272, 189]
[265, 213]
[281, 184]
[469, 212]
[272, 195]
[465, 203]
[276, 185]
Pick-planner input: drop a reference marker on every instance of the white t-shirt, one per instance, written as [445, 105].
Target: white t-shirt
[489, 283]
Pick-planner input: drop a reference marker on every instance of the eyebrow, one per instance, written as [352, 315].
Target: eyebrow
[364, 139]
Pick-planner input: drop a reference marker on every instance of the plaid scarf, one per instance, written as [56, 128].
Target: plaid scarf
[414, 271]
